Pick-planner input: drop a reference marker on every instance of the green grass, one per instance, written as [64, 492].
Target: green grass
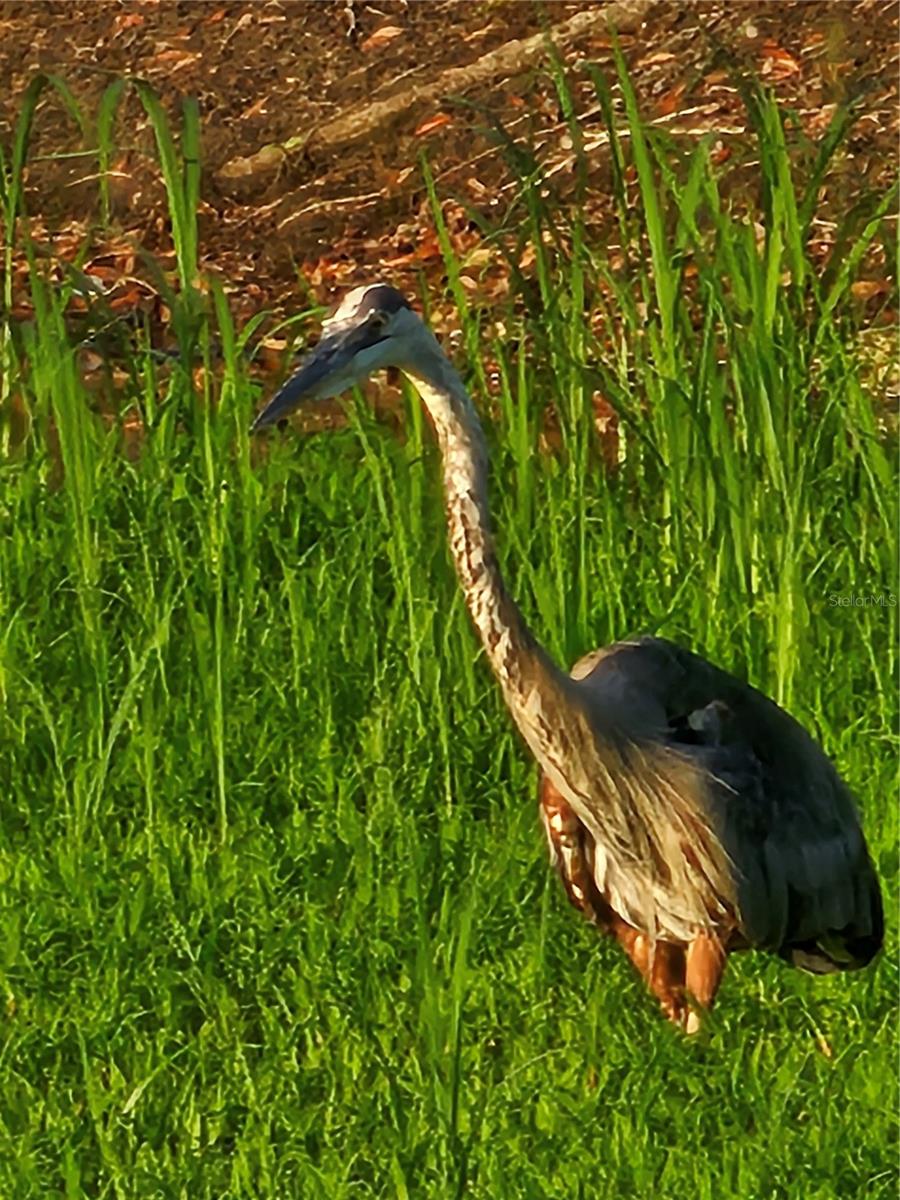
[276, 918]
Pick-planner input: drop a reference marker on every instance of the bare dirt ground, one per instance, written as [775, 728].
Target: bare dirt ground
[315, 116]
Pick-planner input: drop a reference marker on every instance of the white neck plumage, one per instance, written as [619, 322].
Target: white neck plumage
[519, 663]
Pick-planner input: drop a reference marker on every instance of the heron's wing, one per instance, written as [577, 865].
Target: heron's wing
[804, 882]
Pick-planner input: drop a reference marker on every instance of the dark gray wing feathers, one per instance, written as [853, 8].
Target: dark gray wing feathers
[805, 884]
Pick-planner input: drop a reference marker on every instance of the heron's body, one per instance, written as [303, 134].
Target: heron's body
[688, 815]
[767, 854]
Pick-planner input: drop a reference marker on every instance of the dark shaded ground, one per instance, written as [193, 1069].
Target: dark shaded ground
[284, 211]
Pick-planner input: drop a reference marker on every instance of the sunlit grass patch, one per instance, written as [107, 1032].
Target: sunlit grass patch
[276, 915]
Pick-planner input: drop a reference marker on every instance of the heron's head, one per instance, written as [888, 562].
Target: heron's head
[372, 327]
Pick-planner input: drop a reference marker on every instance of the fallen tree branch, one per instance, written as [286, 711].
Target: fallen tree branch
[364, 119]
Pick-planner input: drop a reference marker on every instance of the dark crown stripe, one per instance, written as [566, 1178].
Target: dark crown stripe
[381, 298]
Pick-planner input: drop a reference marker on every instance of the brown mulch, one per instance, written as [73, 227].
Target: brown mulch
[289, 211]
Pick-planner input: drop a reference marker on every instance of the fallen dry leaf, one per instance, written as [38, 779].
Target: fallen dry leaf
[381, 37]
[89, 361]
[481, 256]
[103, 273]
[669, 101]
[654, 60]
[777, 62]
[256, 109]
[269, 158]
[127, 301]
[125, 21]
[606, 425]
[865, 289]
[720, 153]
[174, 60]
[436, 122]
[477, 34]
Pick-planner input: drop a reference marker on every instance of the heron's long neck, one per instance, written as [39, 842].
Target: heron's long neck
[528, 677]
[636, 802]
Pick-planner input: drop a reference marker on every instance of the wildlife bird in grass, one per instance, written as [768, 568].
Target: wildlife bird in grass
[687, 814]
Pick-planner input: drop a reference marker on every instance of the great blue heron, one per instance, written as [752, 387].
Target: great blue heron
[687, 814]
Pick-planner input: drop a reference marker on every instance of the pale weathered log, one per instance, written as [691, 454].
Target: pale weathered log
[363, 120]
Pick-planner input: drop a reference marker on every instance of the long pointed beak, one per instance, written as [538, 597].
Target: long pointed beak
[327, 371]
[324, 363]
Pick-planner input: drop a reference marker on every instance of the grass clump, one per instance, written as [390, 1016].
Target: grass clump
[276, 918]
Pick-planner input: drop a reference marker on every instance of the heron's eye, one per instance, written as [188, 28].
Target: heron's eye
[378, 321]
